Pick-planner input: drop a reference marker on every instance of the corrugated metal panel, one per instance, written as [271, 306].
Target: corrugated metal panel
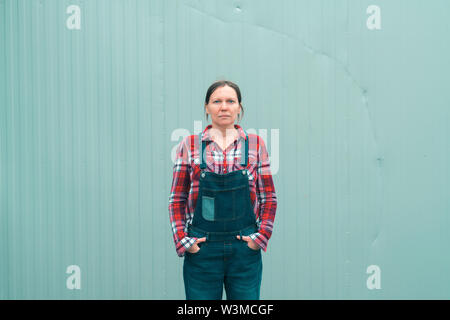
[356, 122]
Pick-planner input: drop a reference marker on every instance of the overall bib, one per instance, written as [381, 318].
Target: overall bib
[223, 211]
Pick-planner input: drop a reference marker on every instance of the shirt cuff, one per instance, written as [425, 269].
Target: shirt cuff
[260, 240]
[186, 243]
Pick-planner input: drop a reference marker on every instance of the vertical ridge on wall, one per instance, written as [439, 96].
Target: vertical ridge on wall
[4, 266]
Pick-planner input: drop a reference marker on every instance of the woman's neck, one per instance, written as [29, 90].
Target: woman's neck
[224, 136]
[224, 133]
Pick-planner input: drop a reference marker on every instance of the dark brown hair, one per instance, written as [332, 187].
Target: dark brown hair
[223, 83]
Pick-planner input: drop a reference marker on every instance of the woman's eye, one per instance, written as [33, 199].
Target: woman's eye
[218, 101]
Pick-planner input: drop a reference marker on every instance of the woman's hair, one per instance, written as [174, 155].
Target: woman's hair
[223, 83]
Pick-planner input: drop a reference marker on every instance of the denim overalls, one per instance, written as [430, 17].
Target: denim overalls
[223, 211]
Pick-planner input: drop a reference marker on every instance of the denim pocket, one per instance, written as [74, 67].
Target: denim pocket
[208, 208]
[193, 253]
[247, 248]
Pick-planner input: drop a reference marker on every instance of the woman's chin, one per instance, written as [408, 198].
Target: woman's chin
[225, 120]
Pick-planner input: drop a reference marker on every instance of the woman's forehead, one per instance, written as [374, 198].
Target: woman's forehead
[224, 92]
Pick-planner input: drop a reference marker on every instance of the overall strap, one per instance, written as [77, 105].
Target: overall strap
[244, 151]
[201, 148]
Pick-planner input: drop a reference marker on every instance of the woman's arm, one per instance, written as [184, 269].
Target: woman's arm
[178, 199]
[265, 191]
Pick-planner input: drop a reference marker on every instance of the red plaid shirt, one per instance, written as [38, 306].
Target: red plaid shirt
[185, 183]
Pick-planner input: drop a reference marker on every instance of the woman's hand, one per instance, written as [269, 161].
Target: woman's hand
[195, 248]
[250, 243]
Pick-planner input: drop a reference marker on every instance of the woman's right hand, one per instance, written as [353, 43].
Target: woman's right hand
[195, 248]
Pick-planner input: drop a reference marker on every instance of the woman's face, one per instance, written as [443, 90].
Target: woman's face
[223, 107]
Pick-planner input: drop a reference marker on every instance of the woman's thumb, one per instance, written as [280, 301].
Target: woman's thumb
[201, 239]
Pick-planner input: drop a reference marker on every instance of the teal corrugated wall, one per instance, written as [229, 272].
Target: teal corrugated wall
[356, 121]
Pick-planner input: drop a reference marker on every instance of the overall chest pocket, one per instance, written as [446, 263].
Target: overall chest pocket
[224, 204]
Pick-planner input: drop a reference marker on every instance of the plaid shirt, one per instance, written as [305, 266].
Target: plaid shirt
[185, 183]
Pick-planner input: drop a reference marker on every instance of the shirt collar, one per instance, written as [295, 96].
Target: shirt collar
[206, 132]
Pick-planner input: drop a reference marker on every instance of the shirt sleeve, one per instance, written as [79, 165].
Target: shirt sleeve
[265, 191]
[178, 199]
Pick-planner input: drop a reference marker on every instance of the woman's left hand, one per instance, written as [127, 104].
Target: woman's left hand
[250, 243]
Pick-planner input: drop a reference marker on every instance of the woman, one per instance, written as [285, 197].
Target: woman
[222, 204]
